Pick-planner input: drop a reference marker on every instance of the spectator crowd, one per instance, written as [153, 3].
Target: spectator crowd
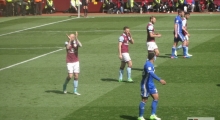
[37, 7]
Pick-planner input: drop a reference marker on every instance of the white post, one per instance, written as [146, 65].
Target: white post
[78, 11]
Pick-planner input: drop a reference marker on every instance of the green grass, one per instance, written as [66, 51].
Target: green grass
[33, 90]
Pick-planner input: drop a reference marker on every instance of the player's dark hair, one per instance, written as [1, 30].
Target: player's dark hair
[151, 17]
[151, 55]
[126, 27]
[180, 11]
[187, 13]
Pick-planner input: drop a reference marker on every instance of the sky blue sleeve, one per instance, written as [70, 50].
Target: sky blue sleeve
[121, 39]
[154, 76]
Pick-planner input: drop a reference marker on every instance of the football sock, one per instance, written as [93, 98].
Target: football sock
[184, 51]
[75, 84]
[121, 74]
[154, 107]
[155, 57]
[179, 47]
[141, 109]
[65, 83]
[173, 51]
[187, 50]
[129, 72]
[84, 10]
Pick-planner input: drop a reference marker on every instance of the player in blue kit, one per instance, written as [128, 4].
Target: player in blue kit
[149, 89]
[178, 35]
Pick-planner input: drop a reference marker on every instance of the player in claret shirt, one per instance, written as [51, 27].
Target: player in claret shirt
[151, 44]
[72, 61]
[124, 56]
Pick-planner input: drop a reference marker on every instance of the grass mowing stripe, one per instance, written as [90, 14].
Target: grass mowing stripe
[37, 27]
[120, 30]
[30, 59]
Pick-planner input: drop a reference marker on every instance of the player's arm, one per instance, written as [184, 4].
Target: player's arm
[184, 29]
[68, 43]
[121, 38]
[78, 42]
[150, 29]
[175, 29]
[151, 72]
[154, 35]
[157, 78]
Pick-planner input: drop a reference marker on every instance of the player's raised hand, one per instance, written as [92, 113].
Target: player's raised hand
[129, 34]
[163, 82]
[76, 34]
[68, 36]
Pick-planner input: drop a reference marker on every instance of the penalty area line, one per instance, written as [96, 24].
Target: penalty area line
[30, 59]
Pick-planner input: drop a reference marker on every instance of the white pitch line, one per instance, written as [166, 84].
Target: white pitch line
[120, 30]
[32, 48]
[36, 27]
[30, 59]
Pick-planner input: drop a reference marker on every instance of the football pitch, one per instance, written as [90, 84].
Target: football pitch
[33, 69]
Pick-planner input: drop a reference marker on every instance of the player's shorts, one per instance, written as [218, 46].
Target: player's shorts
[73, 67]
[126, 57]
[151, 46]
[180, 37]
[84, 3]
[145, 92]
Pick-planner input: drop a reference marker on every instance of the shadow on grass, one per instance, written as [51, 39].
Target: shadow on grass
[164, 56]
[109, 79]
[128, 117]
[138, 69]
[113, 80]
[55, 91]
[218, 85]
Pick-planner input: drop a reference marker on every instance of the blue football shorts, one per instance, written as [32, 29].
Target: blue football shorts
[180, 37]
[145, 92]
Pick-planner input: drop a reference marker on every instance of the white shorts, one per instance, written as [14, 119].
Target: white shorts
[186, 36]
[126, 57]
[73, 67]
[151, 46]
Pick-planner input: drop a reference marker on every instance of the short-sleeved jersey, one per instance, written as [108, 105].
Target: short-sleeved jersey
[124, 39]
[150, 28]
[72, 52]
[178, 21]
[147, 79]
